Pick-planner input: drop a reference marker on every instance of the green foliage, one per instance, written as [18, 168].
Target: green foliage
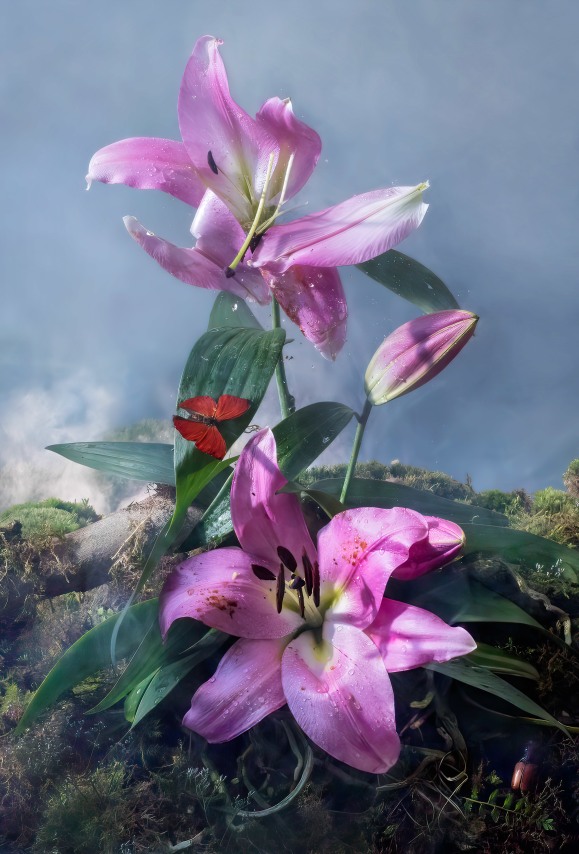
[501, 502]
[552, 501]
[571, 478]
[49, 518]
[433, 481]
[515, 810]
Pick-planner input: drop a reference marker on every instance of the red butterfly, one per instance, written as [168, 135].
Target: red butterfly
[204, 416]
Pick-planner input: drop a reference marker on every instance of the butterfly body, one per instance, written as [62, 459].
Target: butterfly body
[204, 415]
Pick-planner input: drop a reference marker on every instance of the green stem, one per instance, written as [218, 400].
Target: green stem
[287, 401]
[356, 448]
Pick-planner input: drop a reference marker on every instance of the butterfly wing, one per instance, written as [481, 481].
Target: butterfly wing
[203, 405]
[207, 438]
[229, 407]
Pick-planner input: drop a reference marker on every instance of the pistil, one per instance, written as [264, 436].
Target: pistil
[230, 270]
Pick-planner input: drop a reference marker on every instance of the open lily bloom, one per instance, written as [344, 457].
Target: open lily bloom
[314, 628]
[252, 166]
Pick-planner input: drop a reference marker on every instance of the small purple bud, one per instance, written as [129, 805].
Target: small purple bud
[416, 352]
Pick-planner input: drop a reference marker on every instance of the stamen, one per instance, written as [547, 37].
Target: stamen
[280, 590]
[297, 582]
[271, 219]
[308, 573]
[285, 183]
[230, 270]
[212, 163]
[316, 584]
[255, 241]
[287, 558]
[262, 572]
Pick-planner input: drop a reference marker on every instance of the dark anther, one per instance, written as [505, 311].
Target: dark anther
[296, 583]
[229, 273]
[255, 241]
[301, 603]
[308, 573]
[262, 572]
[212, 163]
[280, 590]
[316, 584]
[287, 558]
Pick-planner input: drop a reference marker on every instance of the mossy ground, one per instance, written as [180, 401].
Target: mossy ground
[75, 783]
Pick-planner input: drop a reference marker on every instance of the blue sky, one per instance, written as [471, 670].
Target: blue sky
[478, 97]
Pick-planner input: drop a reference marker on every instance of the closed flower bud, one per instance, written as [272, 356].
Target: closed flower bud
[416, 352]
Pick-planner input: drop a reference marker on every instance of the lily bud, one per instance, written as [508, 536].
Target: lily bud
[416, 352]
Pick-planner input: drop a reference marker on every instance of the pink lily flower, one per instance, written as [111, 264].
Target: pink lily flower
[314, 628]
[245, 170]
[416, 352]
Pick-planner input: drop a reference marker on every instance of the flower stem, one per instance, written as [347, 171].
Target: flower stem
[287, 402]
[363, 418]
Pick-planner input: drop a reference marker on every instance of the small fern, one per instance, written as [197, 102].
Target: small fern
[512, 808]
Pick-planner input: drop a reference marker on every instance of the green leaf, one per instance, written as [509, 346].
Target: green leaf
[88, 655]
[229, 310]
[483, 679]
[498, 661]
[229, 360]
[304, 435]
[410, 280]
[168, 676]
[381, 493]
[150, 461]
[521, 547]
[458, 598]
[134, 698]
[300, 439]
[151, 654]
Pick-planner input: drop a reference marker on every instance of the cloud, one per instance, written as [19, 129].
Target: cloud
[70, 409]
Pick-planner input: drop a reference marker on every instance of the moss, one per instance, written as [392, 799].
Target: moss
[49, 518]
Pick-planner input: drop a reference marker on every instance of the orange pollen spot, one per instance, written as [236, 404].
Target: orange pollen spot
[222, 604]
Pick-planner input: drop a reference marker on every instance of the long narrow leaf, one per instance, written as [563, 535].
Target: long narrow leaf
[521, 547]
[364, 492]
[485, 680]
[88, 655]
[149, 461]
[168, 676]
[458, 598]
[499, 661]
[151, 654]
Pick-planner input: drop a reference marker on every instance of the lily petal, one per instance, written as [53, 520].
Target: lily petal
[195, 268]
[262, 520]
[358, 551]
[219, 135]
[313, 298]
[339, 692]
[442, 544]
[293, 137]
[349, 233]
[220, 589]
[148, 163]
[246, 687]
[409, 637]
